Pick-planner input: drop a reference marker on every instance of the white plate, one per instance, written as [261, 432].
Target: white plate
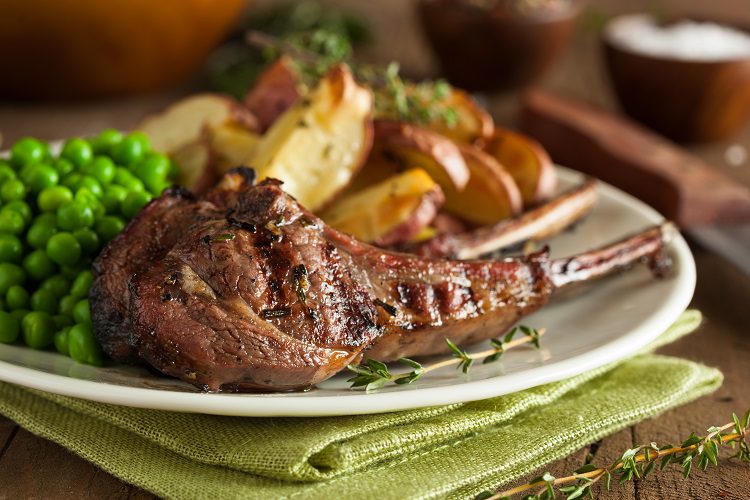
[603, 323]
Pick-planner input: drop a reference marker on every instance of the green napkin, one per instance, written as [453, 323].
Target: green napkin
[451, 451]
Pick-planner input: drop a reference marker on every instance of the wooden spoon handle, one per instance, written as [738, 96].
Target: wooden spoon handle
[679, 185]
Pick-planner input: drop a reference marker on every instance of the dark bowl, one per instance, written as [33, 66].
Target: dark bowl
[687, 101]
[483, 50]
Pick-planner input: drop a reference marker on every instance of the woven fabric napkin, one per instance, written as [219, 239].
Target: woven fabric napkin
[451, 451]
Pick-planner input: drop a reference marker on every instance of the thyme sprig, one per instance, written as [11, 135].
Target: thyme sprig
[375, 374]
[639, 462]
[313, 53]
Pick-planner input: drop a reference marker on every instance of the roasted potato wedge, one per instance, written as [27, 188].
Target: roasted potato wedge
[183, 122]
[231, 145]
[416, 146]
[392, 211]
[197, 166]
[275, 91]
[490, 196]
[527, 162]
[318, 145]
[473, 124]
[379, 166]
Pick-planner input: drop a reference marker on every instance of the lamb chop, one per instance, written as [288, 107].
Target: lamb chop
[250, 291]
[156, 229]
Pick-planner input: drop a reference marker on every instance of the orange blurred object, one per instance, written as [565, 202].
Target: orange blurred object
[91, 48]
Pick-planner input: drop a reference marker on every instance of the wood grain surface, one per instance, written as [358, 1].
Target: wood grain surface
[31, 467]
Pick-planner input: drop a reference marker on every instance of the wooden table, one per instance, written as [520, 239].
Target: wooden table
[32, 467]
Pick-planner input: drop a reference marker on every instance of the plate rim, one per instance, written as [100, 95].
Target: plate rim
[275, 404]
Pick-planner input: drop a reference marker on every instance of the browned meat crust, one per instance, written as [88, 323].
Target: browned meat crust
[246, 290]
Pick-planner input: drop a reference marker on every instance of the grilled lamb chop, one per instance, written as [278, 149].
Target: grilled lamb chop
[248, 290]
[144, 241]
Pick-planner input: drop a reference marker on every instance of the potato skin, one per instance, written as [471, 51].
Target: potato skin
[422, 216]
[437, 154]
[491, 194]
[275, 91]
[527, 162]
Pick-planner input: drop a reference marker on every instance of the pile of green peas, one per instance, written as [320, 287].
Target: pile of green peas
[56, 214]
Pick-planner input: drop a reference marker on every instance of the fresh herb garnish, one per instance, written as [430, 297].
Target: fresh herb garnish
[375, 374]
[639, 462]
[313, 54]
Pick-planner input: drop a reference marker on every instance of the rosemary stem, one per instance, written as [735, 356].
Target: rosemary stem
[597, 474]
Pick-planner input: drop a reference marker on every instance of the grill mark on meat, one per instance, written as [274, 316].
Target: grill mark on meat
[212, 333]
[391, 310]
[452, 299]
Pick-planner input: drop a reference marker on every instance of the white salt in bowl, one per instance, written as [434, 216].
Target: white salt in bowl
[688, 79]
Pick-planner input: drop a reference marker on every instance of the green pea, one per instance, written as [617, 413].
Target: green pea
[10, 274]
[105, 141]
[90, 183]
[64, 249]
[129, 150]
[134, 202]
[45, 219]
[44, 300]
[83, 347]
[6, 173]
[81, 285]
[9, 328]
[63, 167]
[40, 177]
[77, 151]
[67, 304]
[58, 284]
[73, 181]
[88, 240]
[86, 197]
[109, 226]
[21, 207]
[158, 188]
[61, 340]
[12, 189]
[38, 265]
[63, 320]
[38, 329]
[27, 150]
[82, 311]
[11, 248]
[17, 298]
[75, 215]
[51, 198]
[113, 197]
[101, 168]
[124, 178]
[11, 221]
[153, 169]
[39, 234]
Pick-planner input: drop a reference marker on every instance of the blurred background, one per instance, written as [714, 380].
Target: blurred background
[110, 65]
